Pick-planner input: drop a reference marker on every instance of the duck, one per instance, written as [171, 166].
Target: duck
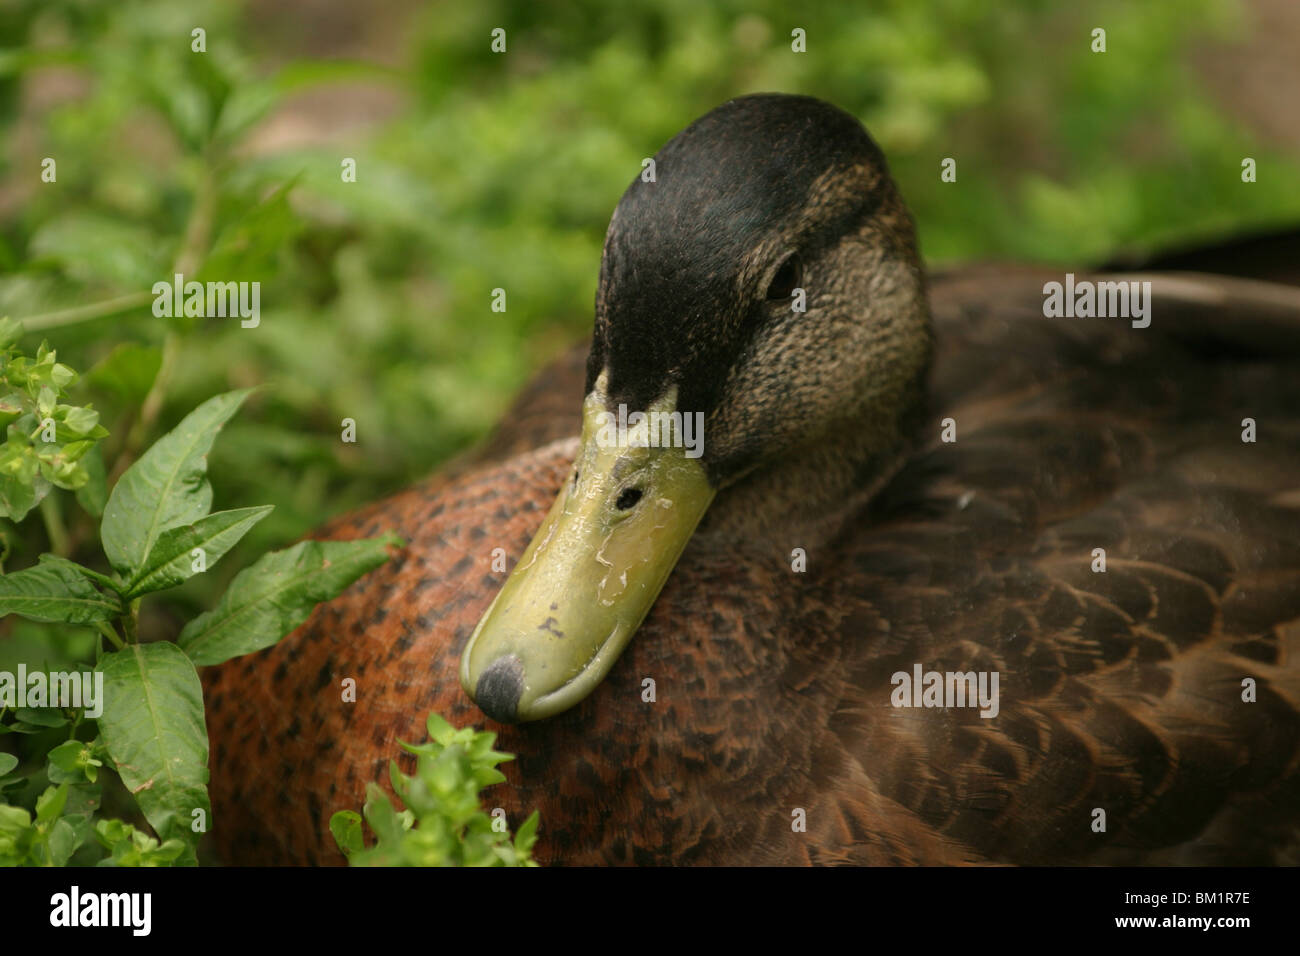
[737, 647]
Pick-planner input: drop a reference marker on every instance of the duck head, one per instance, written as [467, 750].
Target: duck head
[761, 339]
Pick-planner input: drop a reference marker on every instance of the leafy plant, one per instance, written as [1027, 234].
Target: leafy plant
[443, 823]
[46, 441]
[157, 532]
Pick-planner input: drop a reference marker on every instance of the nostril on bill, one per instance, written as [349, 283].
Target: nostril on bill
[628, 499]
[499, 689]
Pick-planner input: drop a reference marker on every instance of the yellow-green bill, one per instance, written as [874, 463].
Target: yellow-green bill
[592, 572]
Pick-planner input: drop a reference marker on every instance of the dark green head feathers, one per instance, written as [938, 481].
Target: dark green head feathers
[763, 196]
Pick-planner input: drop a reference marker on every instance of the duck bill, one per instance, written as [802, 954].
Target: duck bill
[594, 569]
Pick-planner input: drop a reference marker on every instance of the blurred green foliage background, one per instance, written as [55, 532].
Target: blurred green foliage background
[479, 170]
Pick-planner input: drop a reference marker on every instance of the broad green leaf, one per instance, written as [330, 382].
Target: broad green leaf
[104, 579]
[273, 596]
[41, 716]
[167, 487]
[153, 728]
[55, 592]
[7, 763]
[171, 561]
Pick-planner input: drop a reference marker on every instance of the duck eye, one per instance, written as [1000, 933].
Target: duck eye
[786, 279]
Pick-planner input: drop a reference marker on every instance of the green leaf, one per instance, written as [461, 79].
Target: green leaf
[80, 421]
[53, 591]
[248, 103]
[11, 406]
[104, 579]
[83, 802]
[153, 728]
[170, 561]
[167, 487]
[129, 371]
[62, 376]
[41, 716]
[382, 816]
[73, 762]
[345, 825]
[277, 593]
[50, 803]
[93, 248]
[21, 727]
[10, 332]
[65, 759]
[93, 495]
[251, 244]
[7, 763]
[19, 495]
[526, 835]
[440, 729]
[13, 819]
[46, 399]
[62, 842]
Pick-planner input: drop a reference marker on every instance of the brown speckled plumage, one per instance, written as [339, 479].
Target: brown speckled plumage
[1119, 690]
